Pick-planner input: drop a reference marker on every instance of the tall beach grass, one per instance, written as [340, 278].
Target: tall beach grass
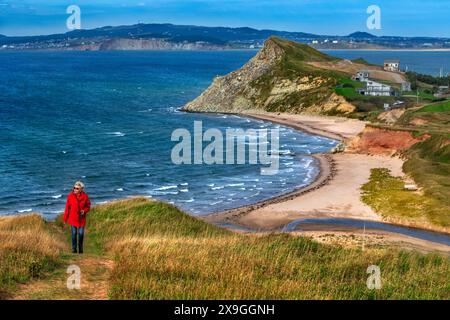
[162, 253]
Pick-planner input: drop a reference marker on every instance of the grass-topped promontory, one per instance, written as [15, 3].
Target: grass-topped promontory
[162, 253]
[294, 65]
[159, 252]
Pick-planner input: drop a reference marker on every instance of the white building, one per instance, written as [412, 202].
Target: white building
[392, 65]
[361, 76]
[376, 89]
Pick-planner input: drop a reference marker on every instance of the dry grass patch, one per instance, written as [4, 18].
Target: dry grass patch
[27, 250]
[271, 267]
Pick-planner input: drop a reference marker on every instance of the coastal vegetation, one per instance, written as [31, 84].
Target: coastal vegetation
[427, 162]
[159, 252]
[422, 80]
[28, 249]
[438, 107]
[387, 195]
[429, 165]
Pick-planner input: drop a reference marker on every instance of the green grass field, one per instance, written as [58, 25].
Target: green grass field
[349, 93]
[439, 107]
[429, 165]
[427, 162]
[386, 194]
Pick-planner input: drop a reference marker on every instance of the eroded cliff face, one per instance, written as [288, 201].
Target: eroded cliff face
[378, 141]
[153, 44]
[272, 81]
[232, 92]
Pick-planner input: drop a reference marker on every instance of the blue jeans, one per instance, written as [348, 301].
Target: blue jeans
[77, 232]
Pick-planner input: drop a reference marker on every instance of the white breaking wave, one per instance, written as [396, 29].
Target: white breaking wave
[307, 163]
[165, 188]
[235, 184]
[117, 134]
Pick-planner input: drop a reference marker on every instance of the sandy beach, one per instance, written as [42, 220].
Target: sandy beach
[339, 196]
[335, 192]
[337, 128]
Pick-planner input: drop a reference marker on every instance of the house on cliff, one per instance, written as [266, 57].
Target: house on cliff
[392, 65]
[376, 89]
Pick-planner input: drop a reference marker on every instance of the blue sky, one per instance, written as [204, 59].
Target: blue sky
[339, 17]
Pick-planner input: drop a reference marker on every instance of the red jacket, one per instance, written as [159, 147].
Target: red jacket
[73, 207]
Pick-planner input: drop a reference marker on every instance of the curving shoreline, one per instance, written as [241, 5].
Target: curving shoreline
[327, 165]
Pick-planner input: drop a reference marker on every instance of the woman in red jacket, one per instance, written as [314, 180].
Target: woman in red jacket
[77, 206]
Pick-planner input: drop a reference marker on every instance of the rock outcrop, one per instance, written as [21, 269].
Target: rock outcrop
[277, 79]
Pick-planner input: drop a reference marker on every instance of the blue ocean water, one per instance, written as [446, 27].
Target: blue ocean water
[425, 62]
[107, 118]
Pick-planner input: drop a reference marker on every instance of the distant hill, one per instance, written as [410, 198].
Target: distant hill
[166, 35]
[361, 35]
[167, 31]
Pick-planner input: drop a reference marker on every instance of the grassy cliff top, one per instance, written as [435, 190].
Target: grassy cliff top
[300, 52]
